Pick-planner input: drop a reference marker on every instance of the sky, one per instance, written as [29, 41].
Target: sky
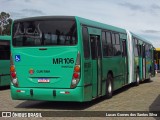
[139, 16]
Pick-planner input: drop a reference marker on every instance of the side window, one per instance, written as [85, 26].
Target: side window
[139, 50]
[144, 47]
[107, 44]
[124, 47]
[117, 39]
[116, 44]
[113, 39]
[109, 51]
[111, 44]
[135, 46]
[86, 47]
[108, 37]
[148, 51]
[104, 44]
[4, 50]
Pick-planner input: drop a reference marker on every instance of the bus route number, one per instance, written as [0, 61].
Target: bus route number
[63, 60]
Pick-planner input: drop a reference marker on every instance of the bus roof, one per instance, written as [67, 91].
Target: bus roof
[81, 20]
[142, 39]
[41, 18]
[99, 25]
[5, 37]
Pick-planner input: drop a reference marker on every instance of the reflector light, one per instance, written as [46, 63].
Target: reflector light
[18, 91]
[31, 71]
[75, 75]
[67, 92]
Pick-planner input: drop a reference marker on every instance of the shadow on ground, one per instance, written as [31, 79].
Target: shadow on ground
[4, 88]
[56, 105]
[67, 105]
[155, 106]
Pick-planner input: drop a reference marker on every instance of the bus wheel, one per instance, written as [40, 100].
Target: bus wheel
[137, 79]
[109, 86]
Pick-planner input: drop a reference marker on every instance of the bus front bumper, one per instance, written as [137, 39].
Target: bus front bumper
[47, 94]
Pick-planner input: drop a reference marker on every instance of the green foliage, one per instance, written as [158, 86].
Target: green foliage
[5, 23]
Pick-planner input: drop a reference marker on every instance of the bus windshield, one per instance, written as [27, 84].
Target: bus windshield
[44, 33]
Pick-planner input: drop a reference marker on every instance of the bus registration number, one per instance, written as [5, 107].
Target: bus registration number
[43, 80]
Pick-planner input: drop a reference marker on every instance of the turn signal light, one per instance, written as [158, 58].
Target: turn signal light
[77, 68]
[12, 69]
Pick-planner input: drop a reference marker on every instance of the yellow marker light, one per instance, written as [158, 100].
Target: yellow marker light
[77, 69]
[12, 69]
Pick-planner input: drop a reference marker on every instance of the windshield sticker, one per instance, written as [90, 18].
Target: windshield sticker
[31, 31]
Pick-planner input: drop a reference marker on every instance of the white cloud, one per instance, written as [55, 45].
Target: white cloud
[136, 15]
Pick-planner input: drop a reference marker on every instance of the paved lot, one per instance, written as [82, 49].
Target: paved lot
[145, 97]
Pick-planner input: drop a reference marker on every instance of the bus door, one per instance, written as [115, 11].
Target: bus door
[144, 61]
[125, 58]
[96, 65]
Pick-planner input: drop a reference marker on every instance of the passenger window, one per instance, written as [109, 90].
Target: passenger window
[86, 47]
[108, 37]
[113, 39]
[5, 50]
[104, 44]
[135, 46]
[111, 47]
[117, 38]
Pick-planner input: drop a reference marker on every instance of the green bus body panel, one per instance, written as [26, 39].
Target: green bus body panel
[59, 74]
[5, 67]
[115, 65]
[4, 73]
[47, 94]
[5, 38]
[138, 61]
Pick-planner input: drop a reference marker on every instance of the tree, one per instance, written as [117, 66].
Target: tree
[5, 23]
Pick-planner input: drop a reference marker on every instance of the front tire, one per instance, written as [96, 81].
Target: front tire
[109, 86]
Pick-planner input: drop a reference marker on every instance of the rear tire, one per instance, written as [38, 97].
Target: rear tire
[137, 80]
[109, 86]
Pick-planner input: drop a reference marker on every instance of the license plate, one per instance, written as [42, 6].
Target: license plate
[43, 80]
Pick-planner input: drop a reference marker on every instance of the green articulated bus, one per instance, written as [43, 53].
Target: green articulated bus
[5, 78]
[142, 58]
[67, 58]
